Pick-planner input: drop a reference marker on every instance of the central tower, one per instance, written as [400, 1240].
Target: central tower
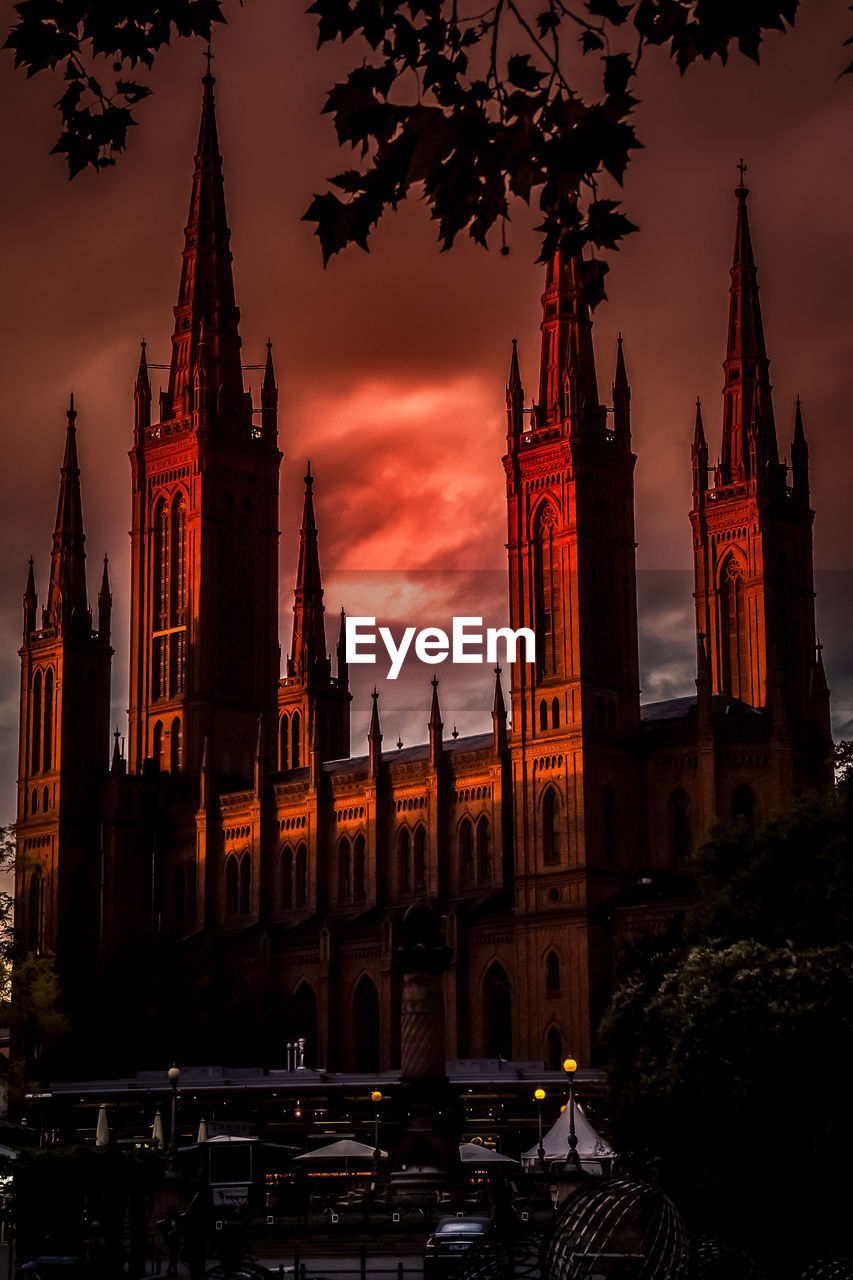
[204, 584]
[575, 714]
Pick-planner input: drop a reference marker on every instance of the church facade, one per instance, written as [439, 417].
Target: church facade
[238, 880]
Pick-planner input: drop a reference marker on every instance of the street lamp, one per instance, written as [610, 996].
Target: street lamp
[376, 1099]
[174, 1074]
[539, 1095]
[573, 1163]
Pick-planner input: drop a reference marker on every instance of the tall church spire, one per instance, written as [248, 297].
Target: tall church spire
[308, 649]
[206, 293]
[568, 386]
[66, 597]
[747, 368]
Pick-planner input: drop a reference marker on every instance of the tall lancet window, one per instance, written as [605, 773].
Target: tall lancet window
[547, 585]
[734, 632]
[178, 596]
[160, 619]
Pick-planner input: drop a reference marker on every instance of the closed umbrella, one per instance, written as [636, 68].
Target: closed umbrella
[102, 1131]
[202, 1131]
[157, 1135]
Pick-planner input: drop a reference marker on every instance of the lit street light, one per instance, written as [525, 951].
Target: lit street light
[572, 1159]
[539, 1095]
[174, 1074]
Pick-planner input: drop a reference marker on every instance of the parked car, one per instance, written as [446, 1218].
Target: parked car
[451, 1240]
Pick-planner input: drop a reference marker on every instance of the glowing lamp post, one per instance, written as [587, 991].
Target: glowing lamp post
[572, 1159]
[539, 1095]
[376, 1099]
[174, 1074]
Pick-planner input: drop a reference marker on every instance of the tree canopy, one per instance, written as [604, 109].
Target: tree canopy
[471, 104]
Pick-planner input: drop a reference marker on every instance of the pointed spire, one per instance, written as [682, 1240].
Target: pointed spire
[117, 762]
[343, 665]
[67, 597]
[207, 286]
[499, 715]
[566, 343]
[800, 456]
[699, 454]
[747, 368]
[374, 736]
[435, 725]
[621, 398]
[30, 601]
[514, 395]
[308, 647]
[269, 398]
[105, 603]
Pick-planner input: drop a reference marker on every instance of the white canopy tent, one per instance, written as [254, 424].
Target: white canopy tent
[596, 1155]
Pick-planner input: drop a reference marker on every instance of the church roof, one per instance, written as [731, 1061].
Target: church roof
[679, 708]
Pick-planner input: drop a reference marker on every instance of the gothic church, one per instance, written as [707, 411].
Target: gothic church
[239, 879]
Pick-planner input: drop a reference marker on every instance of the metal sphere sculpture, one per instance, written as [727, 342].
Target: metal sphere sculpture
[828, 1269]
[515, 1259]
[715, 1260]
[624, 1224]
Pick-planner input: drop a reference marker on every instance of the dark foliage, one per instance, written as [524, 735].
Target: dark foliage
[471, 105]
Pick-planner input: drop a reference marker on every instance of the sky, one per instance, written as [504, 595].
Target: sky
[392, 366]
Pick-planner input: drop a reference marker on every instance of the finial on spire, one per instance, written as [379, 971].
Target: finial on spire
[742, 190]
[208, 53]
[72, 412]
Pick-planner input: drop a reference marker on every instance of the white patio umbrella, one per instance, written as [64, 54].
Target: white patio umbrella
[157, 1135]
[475, 1154]
[346, 1149]
[102, 1130]
[595, 1154]
[202, 1131]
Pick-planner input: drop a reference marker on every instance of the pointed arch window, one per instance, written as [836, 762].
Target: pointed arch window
[300, 877]
[35, 913]
[35, 727]
[232, 887]
[305, 1021]
[404, 859]
[543, 714]
[466, 851]
[47, 750]
[366, 1011]
[245, 884]
[157, 744]
[734, 632]
[547, 586]
[345, 864]
[295, 729]
[160, 612]
[743, 804]
[555, 713]
[420, 860]
[286, 878]
[497, 998]
[175, 746]
[552, 974]
[358, 869]
[550, 826]
[679, 825]
[283, 743]
[484, 857]
[178, 596]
